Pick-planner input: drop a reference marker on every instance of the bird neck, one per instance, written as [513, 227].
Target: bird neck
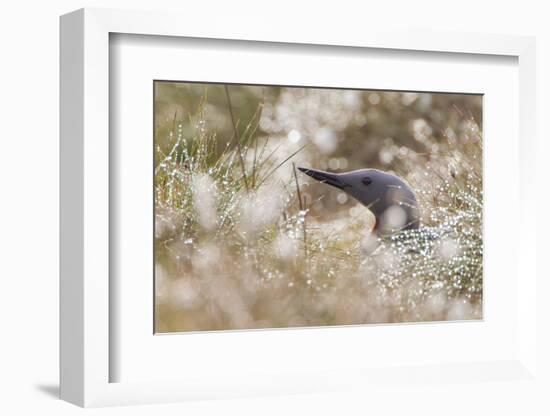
[376, 224]
[382, 230]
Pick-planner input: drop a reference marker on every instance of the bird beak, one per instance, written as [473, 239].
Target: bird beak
[325, 177]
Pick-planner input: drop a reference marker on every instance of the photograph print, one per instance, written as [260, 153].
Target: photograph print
[285, 207]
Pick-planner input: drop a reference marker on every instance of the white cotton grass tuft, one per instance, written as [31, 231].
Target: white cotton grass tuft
[258, 210]
[207, 258]
[285, 247]
[368, 244]
[204, 200]
[165, 224]
[185, 292]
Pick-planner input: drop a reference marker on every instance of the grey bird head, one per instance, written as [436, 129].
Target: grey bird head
[387, 196]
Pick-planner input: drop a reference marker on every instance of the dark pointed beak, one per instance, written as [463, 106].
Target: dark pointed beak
[325, 177]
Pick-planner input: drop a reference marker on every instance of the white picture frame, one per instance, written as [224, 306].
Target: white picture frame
[86, 332]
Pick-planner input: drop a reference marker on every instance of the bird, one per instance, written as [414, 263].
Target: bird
[400, 251]
[395, 207]
[387, 196]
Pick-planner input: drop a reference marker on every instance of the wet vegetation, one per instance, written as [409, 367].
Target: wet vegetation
[244, 240]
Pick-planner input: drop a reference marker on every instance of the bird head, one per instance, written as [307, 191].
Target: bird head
[387, 196]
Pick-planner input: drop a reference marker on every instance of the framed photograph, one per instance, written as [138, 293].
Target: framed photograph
[268, 214]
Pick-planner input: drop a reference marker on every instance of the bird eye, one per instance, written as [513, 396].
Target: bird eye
[366, 180]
